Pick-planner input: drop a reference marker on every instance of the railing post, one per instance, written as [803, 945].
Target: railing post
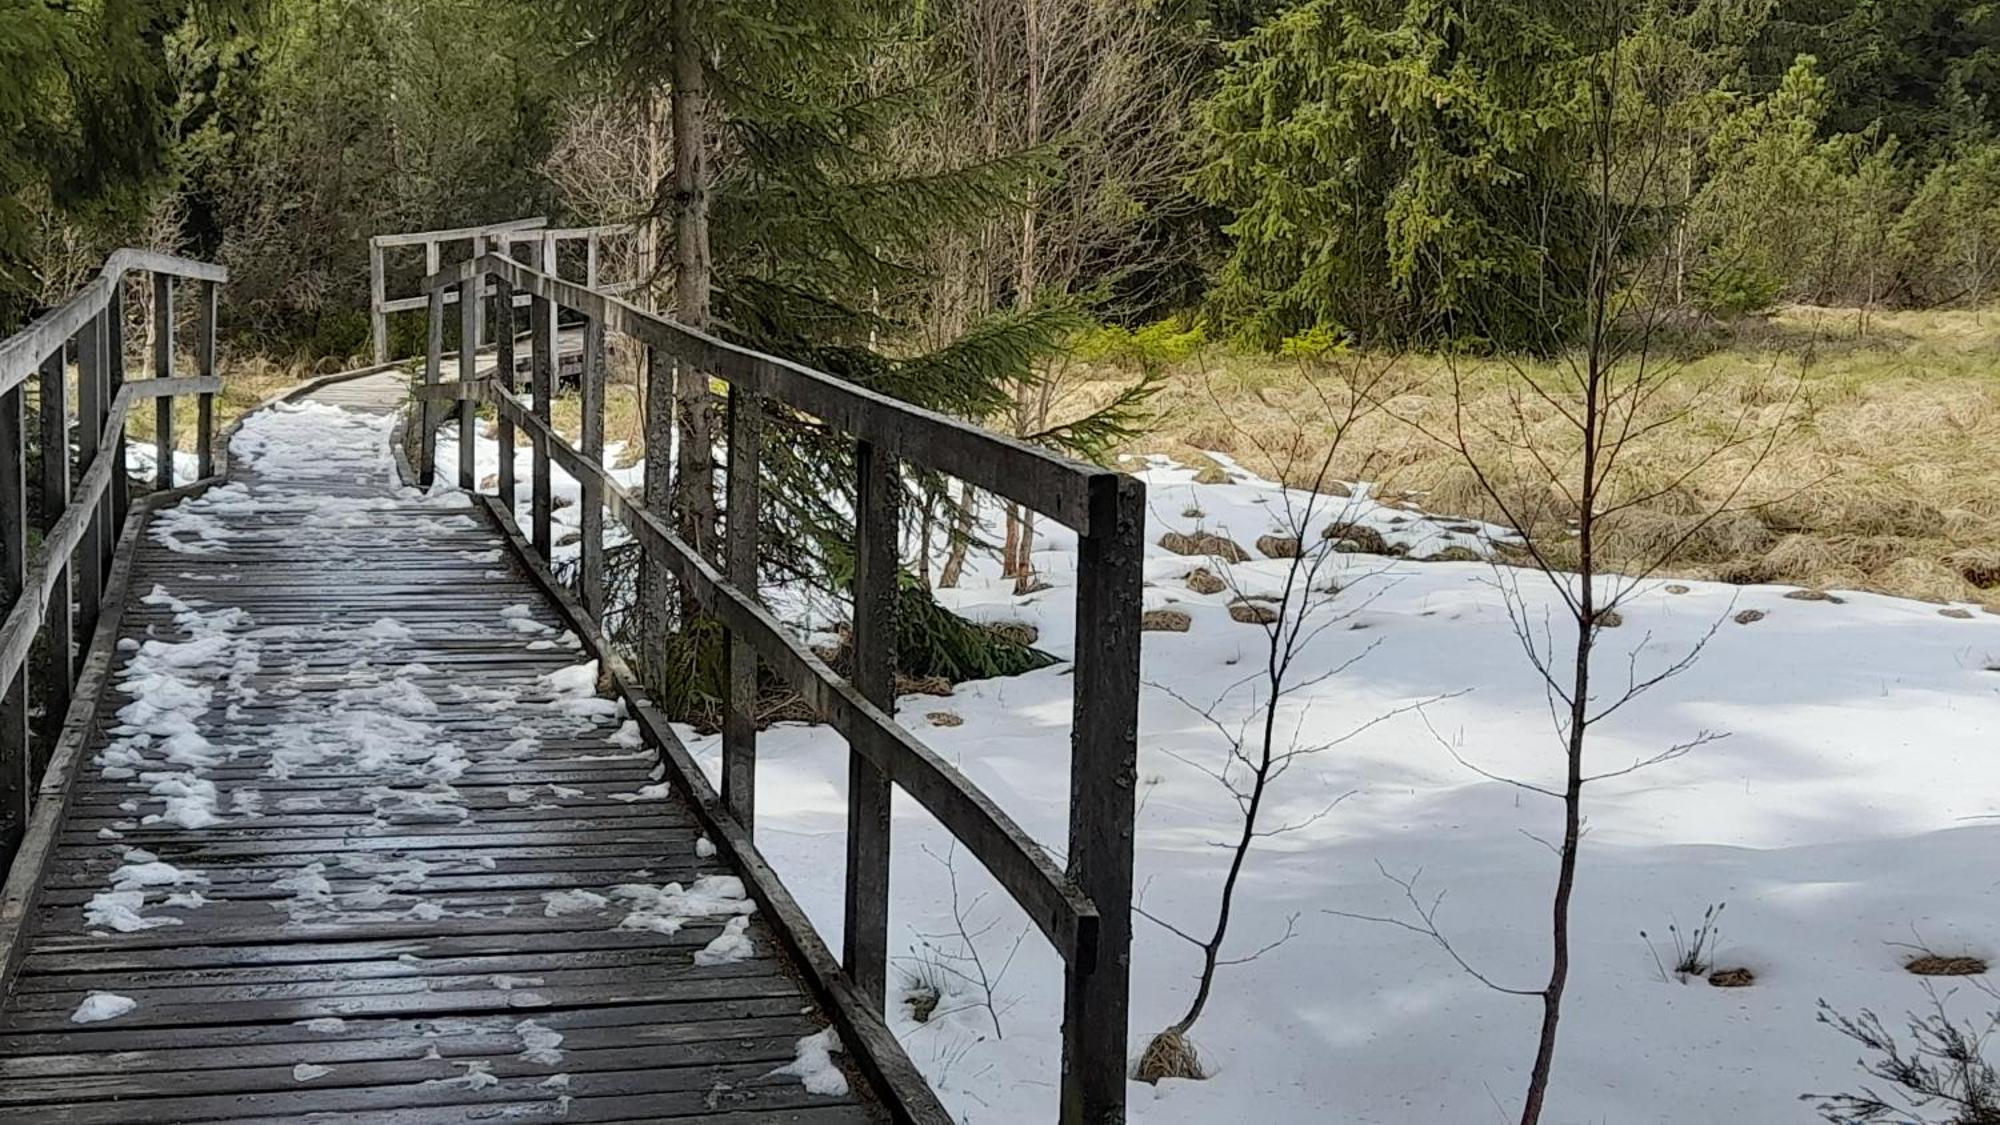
[591, 522]
[1104, 737]
[163, 368]
[468, 373]
[866, 933]
[503, 359]
[542, 346]
[114, 381]
[204, 438]
[54, 688]
[427, 419]
[739, 714]
[92, 373]
[378, 295]
[16, 782]
[477, 291]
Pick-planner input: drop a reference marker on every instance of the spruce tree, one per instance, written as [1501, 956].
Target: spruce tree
[815, 251]
[1399, 171]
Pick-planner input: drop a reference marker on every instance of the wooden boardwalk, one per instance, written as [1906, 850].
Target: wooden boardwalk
[356, 837]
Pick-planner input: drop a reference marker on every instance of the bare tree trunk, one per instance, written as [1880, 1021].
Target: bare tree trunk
[961, 539]
[694, 500]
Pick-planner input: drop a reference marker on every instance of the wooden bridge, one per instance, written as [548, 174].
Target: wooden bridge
[322, 795]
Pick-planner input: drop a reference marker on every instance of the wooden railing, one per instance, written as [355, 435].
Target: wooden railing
[544, 248]
[1084, 910]
[55, 595]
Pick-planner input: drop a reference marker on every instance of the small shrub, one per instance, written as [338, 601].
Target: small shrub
[1694, 953]
[1940, 1077]
[1730, 290]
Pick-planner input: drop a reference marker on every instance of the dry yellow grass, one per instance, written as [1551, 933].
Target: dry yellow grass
[1886, 478]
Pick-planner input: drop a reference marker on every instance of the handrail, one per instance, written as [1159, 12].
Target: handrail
[22, 353]
[24, 619]
[1059, 909]
[1027, 474]
[58, 593]
[1083, 911]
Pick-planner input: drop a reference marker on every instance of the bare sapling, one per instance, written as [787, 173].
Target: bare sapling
[1261, 731]
[1573, 455]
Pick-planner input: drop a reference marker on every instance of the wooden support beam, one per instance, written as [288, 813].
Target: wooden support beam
[121, 482]
[503, 361]
[93, 553]
[878, 488]
[16, 780]
[163, 368]
[542, 345]
[427, 418]
[53, 689]
[1104, 739]
[590, 581]
[205, 355]
[468, 370]
[378, 296]
[739, 713]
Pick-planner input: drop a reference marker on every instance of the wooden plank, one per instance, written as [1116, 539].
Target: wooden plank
[427, 421]
[878, 486]
[53, 687]
[503, 366]
[1104, 736]
[739, 718]
[591, 518]
[16, 763]
[93, 553]
[542, 349]
[205, 356]
[163, 368]
[468, 370]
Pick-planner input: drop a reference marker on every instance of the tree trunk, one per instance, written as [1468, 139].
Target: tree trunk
[694, 500]
[680, 469]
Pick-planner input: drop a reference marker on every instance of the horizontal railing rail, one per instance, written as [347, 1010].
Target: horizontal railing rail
[1084, 909]
[56, 594]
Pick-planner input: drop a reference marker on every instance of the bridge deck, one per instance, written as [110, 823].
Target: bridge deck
[356, 836]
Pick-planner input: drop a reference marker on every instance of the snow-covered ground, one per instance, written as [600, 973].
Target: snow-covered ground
[1848, 813]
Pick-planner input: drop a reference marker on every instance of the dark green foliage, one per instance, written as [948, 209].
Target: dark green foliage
[933, 641]
[1928, 71]
[1403, 171]
[84, 104]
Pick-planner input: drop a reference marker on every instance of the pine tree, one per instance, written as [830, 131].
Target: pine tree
[816, 240]
[1389, 166]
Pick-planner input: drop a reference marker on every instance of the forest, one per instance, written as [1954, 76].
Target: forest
[1567, 427]
[1388, 172]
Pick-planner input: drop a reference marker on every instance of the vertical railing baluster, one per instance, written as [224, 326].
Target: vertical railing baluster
[478, 291]
[204, 438]
[16, 782]
[114, 381]
[378, 294]
[739, 714]
[1104, 736]
[468, 372]
[503, 369]
[163, 368]
[877, 492]
[542, 345]
[591, 522]
[92, 373]
[427, 416]
[55, 685]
